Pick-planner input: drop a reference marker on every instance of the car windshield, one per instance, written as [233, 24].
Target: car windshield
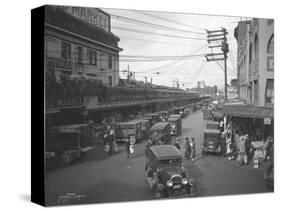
[214, 137]
[168, 162]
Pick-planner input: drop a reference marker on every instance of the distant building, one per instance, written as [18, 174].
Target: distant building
[202, 89]
[255, 61]
[78, 41]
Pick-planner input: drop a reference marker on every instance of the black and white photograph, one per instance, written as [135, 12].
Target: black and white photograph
[145, 105]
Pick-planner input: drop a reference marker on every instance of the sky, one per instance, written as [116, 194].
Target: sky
[171, 46]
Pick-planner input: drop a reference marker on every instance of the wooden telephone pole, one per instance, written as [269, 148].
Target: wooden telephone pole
[219, 36]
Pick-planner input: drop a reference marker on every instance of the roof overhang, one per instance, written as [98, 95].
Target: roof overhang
[248, 111]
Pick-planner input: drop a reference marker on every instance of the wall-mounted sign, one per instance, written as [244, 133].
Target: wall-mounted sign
[62, 102]
[267, 121]
[90, 15]
[58, 63]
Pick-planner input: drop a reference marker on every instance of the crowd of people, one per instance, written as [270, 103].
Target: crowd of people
[239, 146]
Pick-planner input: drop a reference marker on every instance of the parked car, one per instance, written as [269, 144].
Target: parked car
[165, 174]
[212, 141]
[176, 127]
[155, 117]
[160, 133]
[163, 115]
[69, 143]
[212, 125]
[132, 128]
[145, 127]
[178, 111]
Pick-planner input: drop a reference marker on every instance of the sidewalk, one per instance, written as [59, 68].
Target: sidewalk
[249, 166]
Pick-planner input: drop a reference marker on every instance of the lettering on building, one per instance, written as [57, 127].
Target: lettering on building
[90, 15]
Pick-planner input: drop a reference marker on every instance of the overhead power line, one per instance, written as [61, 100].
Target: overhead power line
[171, 21]
[156, 41]
[130, 20]
[156, 33]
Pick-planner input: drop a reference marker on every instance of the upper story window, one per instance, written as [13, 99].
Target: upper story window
[109, 61]
[270, 45]
[256, 44]
[250, 54]
[79, 54]
[92, 57]
[269, 93]
[66, 50]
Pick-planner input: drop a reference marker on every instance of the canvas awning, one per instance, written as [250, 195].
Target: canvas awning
[248, 111]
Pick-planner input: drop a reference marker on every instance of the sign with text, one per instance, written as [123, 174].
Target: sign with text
[59, 64]
[62, 102]
[91, 15]
[267, 121]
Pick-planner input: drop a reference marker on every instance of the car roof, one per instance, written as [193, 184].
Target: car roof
[135, 121]
[165, 151]
[139, 120]
[212, 122]
[212, 131]
[151, 114]
[173, 118]
[159, 125]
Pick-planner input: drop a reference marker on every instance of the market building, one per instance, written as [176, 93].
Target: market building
[254, 114]
[255, 61]
[79, 41]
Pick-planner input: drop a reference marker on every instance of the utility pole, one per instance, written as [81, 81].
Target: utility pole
[219, 36]
[128, 73]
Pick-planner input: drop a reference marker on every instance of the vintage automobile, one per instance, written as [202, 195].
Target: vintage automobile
[160, 133]
[165, 174]
[218, 116]
[154, 117]
[145, 127]
[187, 111]
[69, 142]
[163, 115]
[178, 111]
[208, 114]
[132, 128]
[175, 123]
[212, 141]
[212, 125]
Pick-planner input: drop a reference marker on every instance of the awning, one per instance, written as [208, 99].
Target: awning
[248, 111]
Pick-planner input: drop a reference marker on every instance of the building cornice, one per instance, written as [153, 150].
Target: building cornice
[82, 37]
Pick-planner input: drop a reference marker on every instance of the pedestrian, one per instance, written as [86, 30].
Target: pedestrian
[192, 148]
[177, 144]
[111, 141]
[268, 147]
[242, 157]
[129, 146]
[187, 148]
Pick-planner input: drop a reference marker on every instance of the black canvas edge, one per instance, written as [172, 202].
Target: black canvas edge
[37, 107]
